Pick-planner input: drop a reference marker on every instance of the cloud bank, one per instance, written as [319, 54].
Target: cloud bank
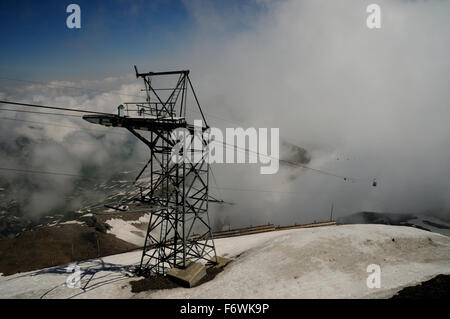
[365, 104]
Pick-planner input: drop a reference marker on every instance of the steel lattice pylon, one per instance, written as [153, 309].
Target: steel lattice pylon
[179, 230]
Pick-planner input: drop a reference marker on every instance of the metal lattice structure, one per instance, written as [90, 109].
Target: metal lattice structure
[179, 230]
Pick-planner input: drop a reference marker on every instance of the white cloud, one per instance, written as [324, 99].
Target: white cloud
[375, 99]
[313, 68]
[63, 144]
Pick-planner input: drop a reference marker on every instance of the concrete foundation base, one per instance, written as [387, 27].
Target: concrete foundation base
[189, 276]
[221, 262]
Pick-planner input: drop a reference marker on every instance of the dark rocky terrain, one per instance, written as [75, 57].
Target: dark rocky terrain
[435, 288]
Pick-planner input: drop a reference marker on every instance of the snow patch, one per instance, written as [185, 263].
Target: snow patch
[132, 231]
[323, 262]
[72, 222]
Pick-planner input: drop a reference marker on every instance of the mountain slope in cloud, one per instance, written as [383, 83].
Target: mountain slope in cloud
[425, 222]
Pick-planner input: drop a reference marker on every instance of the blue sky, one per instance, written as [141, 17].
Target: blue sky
[114, 35]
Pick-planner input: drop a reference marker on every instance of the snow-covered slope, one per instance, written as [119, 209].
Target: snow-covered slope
[132, 231]
[324, 262]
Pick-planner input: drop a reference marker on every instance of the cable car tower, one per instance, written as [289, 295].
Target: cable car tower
[176, 194]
